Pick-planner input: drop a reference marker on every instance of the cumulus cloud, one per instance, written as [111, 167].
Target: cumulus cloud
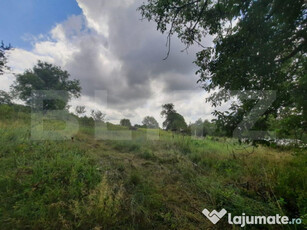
[109, 48]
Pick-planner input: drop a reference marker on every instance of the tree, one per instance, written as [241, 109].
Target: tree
[167, 109]
[258, 45]
[209, 128]
[5, 98]
[173, 120]
[3, 58]
[198, 129]
[150, 122]
[80, 110]
[97, 115]
[125, 122]
[288, 125]
[47, 83]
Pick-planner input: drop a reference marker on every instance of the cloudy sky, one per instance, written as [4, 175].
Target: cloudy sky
[107, 47]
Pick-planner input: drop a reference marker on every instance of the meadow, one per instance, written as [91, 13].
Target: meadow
[143, 183]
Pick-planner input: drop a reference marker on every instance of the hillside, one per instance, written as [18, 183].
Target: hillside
[140, 184]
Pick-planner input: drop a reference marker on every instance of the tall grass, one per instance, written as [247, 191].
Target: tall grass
[143, 183]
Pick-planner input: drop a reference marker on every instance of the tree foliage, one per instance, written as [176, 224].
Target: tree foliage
[173, 120]
[5, 98]
[47, 83]
[150, 122]
[3, 57]
[97, 115]
[287, 125]
[203, 128]
[125, 122]
[258, 45]
[197, 128]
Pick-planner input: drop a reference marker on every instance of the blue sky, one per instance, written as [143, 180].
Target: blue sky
[19, 18]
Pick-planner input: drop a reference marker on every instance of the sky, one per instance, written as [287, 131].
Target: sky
[106, 46]
[22, 20]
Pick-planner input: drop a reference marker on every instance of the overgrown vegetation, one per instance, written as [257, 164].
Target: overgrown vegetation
[140, 184]
[258, 51]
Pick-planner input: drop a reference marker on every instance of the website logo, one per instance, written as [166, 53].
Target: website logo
[244, 220]
[214, 216]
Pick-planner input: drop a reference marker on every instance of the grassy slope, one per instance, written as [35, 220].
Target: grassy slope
[140, 184]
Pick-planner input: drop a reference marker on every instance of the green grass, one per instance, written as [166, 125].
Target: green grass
[142, 183]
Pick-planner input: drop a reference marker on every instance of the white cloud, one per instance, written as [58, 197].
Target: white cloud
[109, 48]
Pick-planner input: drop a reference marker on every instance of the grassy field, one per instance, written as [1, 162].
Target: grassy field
[140, 183]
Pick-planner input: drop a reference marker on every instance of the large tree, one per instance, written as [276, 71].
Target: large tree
[46, 83]
[258, 45]
[150, 122]
[173, 120]
[125, 122]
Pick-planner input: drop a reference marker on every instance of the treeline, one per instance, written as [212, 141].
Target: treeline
[47, 87]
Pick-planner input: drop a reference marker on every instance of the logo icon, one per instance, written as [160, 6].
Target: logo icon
[214, 216]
